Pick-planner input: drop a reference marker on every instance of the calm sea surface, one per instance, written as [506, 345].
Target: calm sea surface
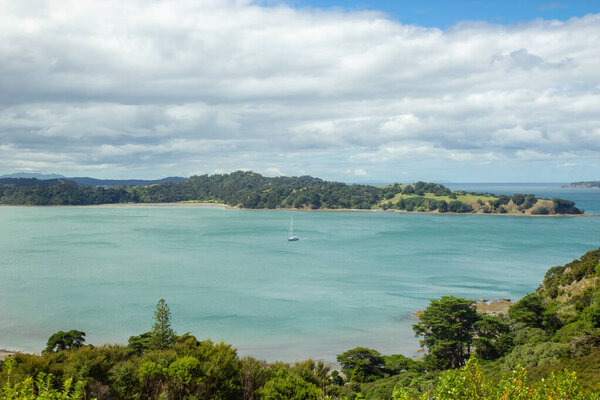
[353, 279]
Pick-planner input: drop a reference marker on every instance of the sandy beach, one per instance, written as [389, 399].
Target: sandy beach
[192, 204]
[5, 353]
[183, 204]
[228, 207]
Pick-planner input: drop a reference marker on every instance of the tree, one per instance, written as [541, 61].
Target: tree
[141, 342]
[362, 364]
[186, 376]
[162, 335]
[289, 386]
[315, 372]
[65, 340]
[446, 326]
[397, 363]
[253, 377]
[565, 207]
[458, 206]
[531, 311]
[493, 337]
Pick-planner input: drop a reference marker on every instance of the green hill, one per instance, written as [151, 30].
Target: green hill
[254, 191]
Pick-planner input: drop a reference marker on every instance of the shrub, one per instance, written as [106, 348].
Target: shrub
[469, 383]
[540, 210]
[40, 388]
[458, 206]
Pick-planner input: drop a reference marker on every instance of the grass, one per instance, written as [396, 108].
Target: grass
[467, 198]
[389, 186]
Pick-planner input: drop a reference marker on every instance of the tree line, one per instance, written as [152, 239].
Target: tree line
[247, 189]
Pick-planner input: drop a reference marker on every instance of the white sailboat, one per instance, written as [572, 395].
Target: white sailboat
[292, 237]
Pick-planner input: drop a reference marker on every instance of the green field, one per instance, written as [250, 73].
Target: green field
[467, 198]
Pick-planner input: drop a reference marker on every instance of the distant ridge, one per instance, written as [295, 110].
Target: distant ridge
[585, 184]
[33, 182]
[86, 181]
[29, 175]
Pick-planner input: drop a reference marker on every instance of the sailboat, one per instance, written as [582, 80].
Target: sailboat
[292, 238]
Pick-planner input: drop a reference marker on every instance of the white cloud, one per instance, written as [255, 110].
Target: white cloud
[357, 172]
[272, 171]
[568, 165]
[211, 85]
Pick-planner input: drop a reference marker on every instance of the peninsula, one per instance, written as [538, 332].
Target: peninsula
[246, 189]
[584, 184]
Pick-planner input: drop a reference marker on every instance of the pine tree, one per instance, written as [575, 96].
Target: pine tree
[162, 335]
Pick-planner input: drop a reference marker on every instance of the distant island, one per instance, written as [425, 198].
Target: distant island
[584, 184]
[246, 189]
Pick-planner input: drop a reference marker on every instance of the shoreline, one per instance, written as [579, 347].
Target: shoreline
[5, 353]
[228, 207]
[485, 306]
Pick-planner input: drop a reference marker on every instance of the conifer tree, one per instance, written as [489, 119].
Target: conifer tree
[162, 335]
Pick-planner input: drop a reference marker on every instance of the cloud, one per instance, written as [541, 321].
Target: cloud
[158, 87]
[568, 165]
[272, 171]
[357, 172]
[523, 59]
[553, 5]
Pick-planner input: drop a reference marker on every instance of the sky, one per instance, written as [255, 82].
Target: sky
[444, 13]
[357, 91]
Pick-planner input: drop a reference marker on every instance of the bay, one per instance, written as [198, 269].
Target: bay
[353, 279]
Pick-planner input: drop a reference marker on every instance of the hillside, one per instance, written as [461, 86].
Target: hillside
[87, 181]
[33, 182]
[254, 191]
[50, 179]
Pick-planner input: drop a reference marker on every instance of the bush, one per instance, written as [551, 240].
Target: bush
[289, 387]
[43, 387]
[565, 207]
[362, 364]
[532, 355]
[469, 383]
[540, 211]
[458, 206]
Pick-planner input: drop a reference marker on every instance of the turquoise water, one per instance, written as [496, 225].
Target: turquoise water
[353, 279]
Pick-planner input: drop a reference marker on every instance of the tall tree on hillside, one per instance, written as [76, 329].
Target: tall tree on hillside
[162, 335]
[446, 326]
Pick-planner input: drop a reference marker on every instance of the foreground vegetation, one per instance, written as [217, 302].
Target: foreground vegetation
[251, 190]
[536, 351]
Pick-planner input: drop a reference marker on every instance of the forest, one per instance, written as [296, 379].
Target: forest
[544, 347]
[246, 189]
